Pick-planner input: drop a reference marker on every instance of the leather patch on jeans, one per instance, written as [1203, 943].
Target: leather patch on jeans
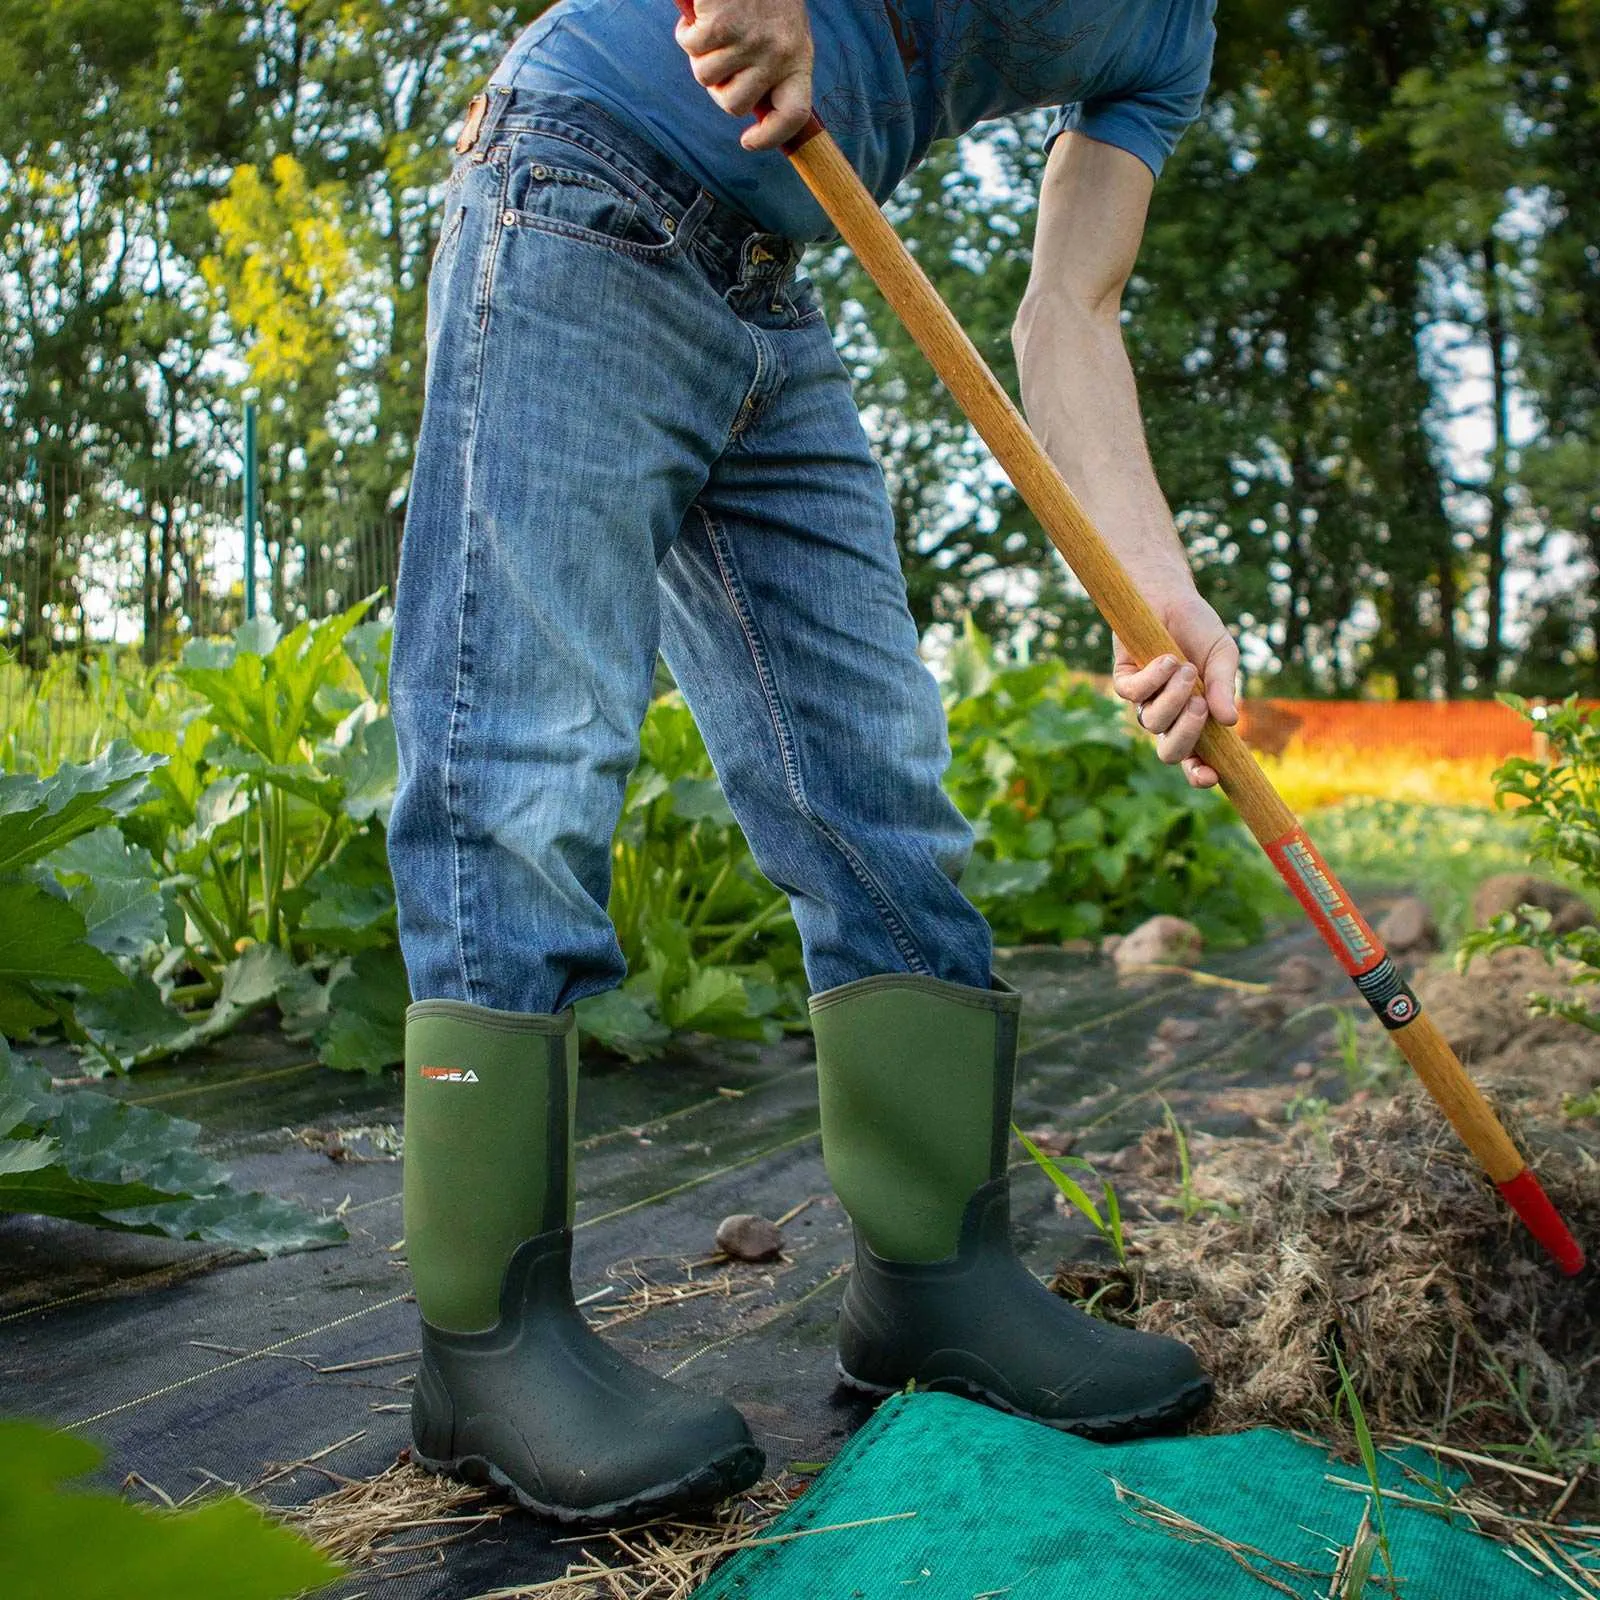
[476, 108]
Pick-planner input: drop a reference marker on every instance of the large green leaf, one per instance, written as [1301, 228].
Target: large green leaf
[348, 915]
[262, 694]
[368, 765]
[366, 1026]
[43, 941]
[619, 1020]
[716, 1000]
[121, 916]
[18, 1151]
[133, 1025]
[92, 1544]
[136, 1169]
[39, 815]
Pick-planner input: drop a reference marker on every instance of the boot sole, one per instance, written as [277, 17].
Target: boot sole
[719, 1478]
[1105, 1429]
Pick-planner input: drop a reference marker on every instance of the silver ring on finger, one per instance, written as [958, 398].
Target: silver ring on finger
[1138, 715]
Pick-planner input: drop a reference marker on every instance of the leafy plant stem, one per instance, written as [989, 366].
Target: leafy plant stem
[187, 994]
[325, 848]
[215, 935]
[746, 930]
[233, 909]
[280, 859]
[708, 899]
[263, 853]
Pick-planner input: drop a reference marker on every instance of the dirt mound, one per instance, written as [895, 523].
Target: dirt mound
[1483, 1012]
[1373, 1233]
[1505, 891]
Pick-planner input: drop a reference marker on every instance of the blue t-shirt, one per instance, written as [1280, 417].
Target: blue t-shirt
[891, 77]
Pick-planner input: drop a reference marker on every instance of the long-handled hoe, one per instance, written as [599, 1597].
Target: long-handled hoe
[1356, 948]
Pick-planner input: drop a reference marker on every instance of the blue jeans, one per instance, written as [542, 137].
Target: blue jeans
[637, 435]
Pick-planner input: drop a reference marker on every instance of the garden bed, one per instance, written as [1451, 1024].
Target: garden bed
[192, 1365]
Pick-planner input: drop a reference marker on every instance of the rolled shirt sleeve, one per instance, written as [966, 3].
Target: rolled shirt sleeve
[1147, 120]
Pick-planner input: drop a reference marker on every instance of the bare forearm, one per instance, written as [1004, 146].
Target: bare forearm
[1079, 394]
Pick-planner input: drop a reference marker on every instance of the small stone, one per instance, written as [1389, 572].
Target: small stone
[1162, 941]
[1297, 975]
[1505, 891]
[1078, 947]
[1303, 1070]
[1408, 928]
[1051, 1141]
[1262, 1010]
[747, 1237]
[1178, 1030]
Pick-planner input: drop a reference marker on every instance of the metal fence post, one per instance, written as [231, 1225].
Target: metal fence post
[250, 509]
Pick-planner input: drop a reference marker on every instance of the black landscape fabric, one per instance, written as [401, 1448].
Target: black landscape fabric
[192, 1366]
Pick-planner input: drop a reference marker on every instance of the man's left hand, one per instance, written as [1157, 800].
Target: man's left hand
[1171, 706]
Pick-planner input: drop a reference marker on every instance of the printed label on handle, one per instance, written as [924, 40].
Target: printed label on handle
[1358, 949]
[1312, 883]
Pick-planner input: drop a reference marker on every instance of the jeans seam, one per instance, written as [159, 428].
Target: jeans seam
[470, 986]
[888, 913]
[497, 228]
[750, 404]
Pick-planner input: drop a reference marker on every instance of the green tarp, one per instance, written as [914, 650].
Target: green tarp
[1012, 1510]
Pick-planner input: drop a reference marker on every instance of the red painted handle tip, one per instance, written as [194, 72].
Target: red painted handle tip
[1525, 1195]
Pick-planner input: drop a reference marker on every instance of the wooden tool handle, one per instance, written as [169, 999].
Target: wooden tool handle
[1357, 948]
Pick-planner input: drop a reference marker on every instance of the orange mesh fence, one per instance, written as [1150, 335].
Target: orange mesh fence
[1441, 729]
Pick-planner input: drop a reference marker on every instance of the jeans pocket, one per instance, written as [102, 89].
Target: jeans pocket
[558, 186]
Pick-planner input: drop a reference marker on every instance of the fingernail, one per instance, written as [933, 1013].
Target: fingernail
[1197, 704]
[1188, 674]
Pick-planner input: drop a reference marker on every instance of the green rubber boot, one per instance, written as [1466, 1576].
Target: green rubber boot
[515, 1389]
[915, 1077]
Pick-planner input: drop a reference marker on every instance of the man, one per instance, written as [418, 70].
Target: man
[637, 433]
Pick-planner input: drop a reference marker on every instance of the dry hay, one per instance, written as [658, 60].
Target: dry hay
[670, 1557]
[400, 1521]
[1376, 1234]
[402, 1512]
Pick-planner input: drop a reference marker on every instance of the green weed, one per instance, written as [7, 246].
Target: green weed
[1107, 1223]
[1369, 1463]
[1190, 1203]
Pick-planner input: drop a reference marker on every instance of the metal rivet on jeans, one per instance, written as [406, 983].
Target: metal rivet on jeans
[669, 224]
[508, 217]
[541, 173]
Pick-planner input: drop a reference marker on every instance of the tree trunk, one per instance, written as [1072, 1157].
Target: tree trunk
[1499, 486]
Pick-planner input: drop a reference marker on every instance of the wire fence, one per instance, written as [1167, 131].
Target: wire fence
[102, 577]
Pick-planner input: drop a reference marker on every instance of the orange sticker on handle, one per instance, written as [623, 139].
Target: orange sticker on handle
[1311, 881]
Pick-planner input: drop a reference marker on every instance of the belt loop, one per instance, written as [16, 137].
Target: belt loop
[700, 208]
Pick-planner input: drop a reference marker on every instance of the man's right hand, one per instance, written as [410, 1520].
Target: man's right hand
[747, 51]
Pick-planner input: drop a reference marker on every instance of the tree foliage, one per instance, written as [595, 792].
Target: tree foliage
[1366, 320]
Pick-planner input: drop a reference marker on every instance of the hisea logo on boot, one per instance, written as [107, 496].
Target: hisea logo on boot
[449, 1075]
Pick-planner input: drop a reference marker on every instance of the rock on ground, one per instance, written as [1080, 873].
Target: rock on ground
[1408, 928]
[747, 1237]
[1160, 941]
[1505, 891]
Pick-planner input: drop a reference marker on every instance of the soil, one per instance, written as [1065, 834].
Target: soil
[1483, 1012]
[1365, 1228]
